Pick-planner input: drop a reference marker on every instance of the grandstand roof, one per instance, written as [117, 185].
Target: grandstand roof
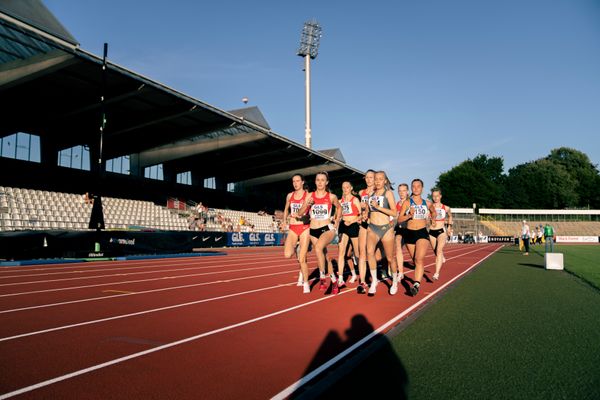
[49, 86]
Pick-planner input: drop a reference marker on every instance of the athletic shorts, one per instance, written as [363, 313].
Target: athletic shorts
[412, 236]
[316, 233]
[436, 232]
[350, 230]
[398, 230]
[380, 230]
[364, 224]
[298, 229]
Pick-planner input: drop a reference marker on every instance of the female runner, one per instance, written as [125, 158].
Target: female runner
[400, 230]
[348, 229]
[417, 238]
[298, 229]
[362, 233]
[381, 229]
[437, 231]
[322, 231]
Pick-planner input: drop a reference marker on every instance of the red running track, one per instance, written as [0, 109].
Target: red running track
[199, 327]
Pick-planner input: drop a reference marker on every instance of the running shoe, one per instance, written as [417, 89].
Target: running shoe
[323, 285]
[394, 288]
[341, 284]
[361, 288]
[306, 287]
[414, 290]
[373, 288]
[300, 280]
[436, 276]
[353, 279]
[335, 288]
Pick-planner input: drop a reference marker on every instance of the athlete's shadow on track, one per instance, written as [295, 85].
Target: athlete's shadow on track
[372, 370]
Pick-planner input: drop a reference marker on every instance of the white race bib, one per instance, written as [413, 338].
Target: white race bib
[440, 213]
[295, 207]
[319, 212]
[420, 212]
[378, 199]
[346, 208]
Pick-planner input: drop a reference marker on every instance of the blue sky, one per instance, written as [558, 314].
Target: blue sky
[412, 87]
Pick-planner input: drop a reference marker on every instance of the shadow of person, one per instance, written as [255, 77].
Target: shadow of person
[533, 265]
[372, 368]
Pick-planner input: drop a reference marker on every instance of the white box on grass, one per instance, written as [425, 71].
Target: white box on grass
[554, 261]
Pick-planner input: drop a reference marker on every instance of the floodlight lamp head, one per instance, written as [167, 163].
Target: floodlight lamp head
[309, 41]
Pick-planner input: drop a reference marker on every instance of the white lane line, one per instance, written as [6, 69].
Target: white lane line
[294, 386]
[144, 292]
[130, 273]
[140, 312]
[136, 281]
[94, 268]
[153, 310]
[166, 346]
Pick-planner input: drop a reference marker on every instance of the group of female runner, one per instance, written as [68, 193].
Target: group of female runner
[374, 224]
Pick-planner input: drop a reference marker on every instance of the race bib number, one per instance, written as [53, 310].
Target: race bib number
[420, 212]
[440, 213]
[319, 212]
[364, 198]
[378, 199]
[346, 208]
[295, 207]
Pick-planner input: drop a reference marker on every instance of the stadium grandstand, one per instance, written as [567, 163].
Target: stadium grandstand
[157, 143]
[505, 222]
[162, 151]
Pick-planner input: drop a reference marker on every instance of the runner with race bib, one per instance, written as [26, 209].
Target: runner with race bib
[322, 231]
[348, 230]
[362, 233]
[437, 231]
[400, 230]
[298, 234]
[381, 229]
[417, 238]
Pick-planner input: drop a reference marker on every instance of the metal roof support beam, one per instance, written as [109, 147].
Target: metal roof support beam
[189, 149]
[21, 71]
[154, 121]
[282, 176]
[112, 100]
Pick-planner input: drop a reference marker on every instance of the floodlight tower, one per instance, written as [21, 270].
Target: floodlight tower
[309, 48]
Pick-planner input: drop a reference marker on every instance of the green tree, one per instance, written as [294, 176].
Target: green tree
[584, 173]
[479, 180]
[540, 184]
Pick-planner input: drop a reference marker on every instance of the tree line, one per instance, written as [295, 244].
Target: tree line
[566, 178]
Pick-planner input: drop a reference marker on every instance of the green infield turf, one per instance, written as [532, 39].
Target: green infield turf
[583, 261]
[508, 330]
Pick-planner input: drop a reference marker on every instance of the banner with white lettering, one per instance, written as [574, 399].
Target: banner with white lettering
[254, 239]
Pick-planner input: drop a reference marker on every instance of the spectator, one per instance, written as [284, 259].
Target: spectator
[192, 222]
[87, 199]
[549, 237]
[525, 236]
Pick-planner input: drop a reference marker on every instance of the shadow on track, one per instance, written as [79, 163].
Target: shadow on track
[373, 371]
